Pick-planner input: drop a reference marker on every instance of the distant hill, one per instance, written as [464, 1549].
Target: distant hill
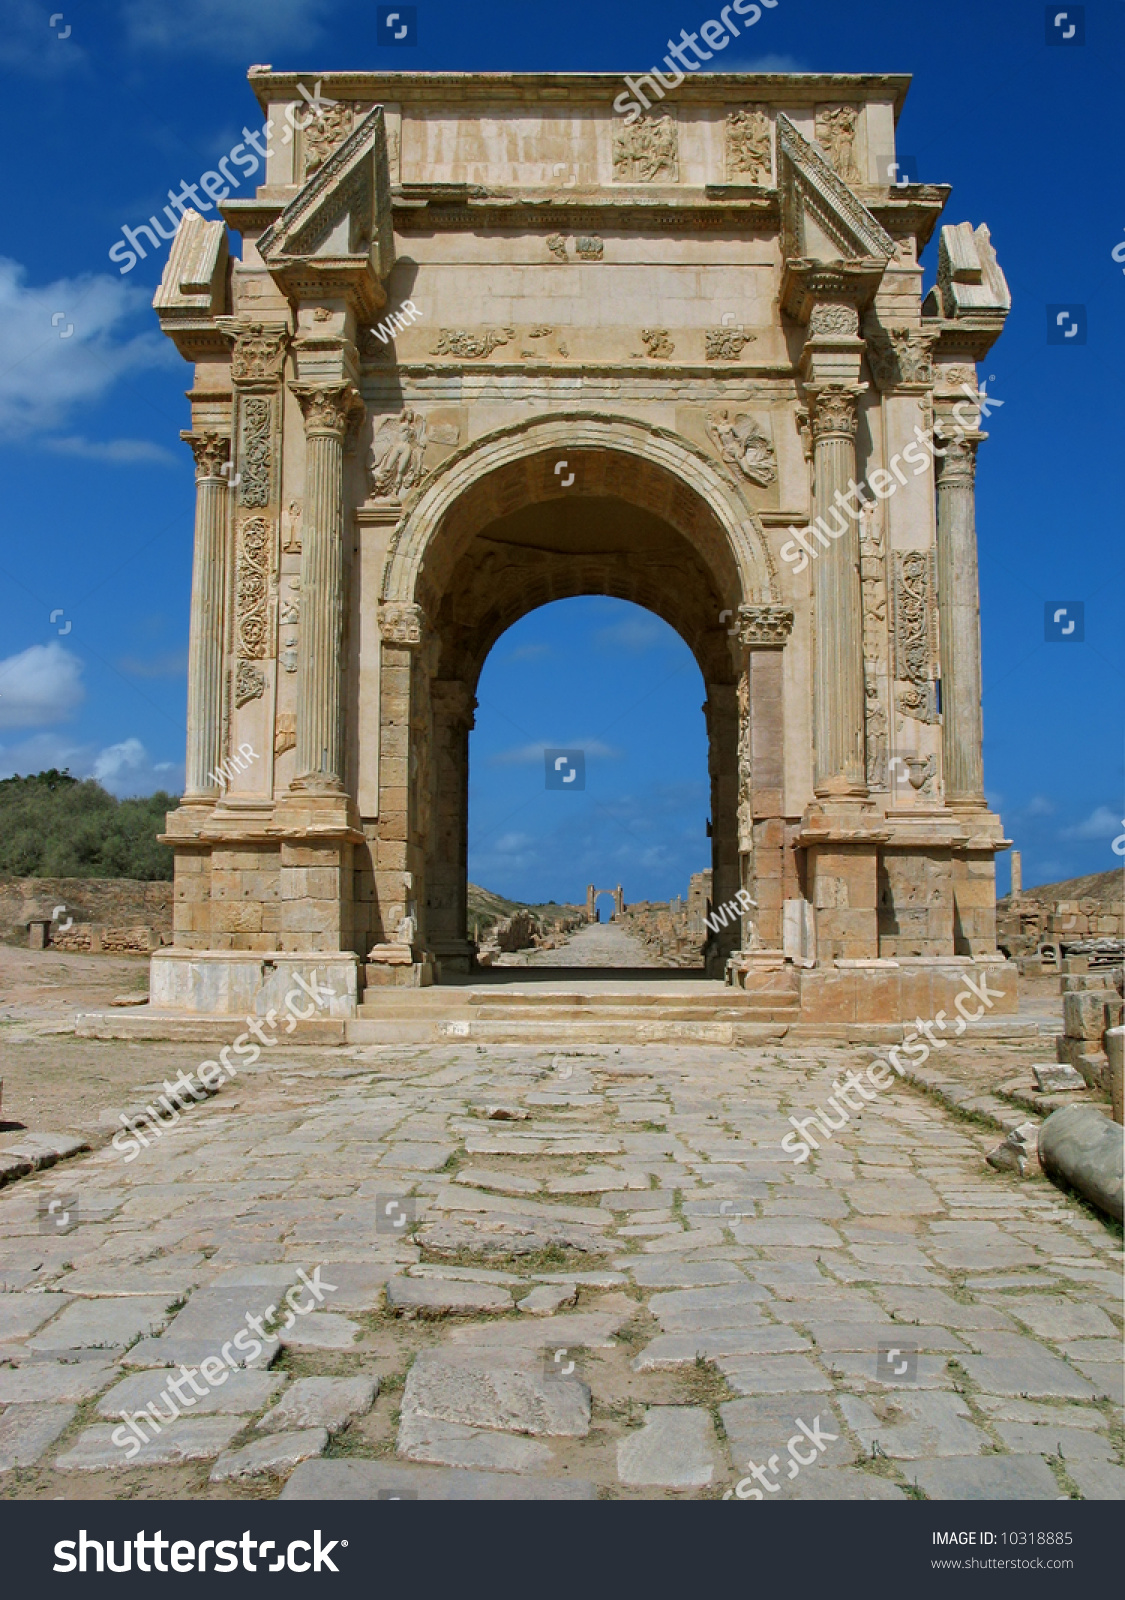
[1107, 888]
[53, 825]
[486, 908]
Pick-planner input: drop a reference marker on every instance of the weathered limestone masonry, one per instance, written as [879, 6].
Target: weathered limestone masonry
[639, 361]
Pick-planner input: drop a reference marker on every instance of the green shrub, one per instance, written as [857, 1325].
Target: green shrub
[53, 825]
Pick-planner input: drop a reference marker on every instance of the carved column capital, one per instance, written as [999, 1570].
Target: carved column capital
[402, 623]
[257, 351]
[956, 465]
[329, 409]
[764, 627]
[833, 411]
[211, 452]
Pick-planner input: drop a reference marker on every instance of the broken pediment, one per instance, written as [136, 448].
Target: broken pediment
[821, 219]
[335, 236]
[193, 288]
[969, 279]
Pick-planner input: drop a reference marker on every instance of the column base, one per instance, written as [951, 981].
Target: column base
[399, 966]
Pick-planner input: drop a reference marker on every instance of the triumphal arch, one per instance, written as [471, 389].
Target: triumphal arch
[487, 343]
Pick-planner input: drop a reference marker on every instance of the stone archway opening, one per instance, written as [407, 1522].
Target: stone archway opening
[552, 524]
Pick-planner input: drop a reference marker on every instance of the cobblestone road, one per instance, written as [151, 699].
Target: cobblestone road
[555, 1274]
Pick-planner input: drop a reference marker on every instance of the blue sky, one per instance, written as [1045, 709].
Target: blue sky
[97, 511]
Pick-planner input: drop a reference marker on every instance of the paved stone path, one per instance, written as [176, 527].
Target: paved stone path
[556, 1274]
[598, 944]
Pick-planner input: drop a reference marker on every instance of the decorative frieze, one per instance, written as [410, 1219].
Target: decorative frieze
[646, 151]
[658, 343]
[726, 344]
[589, 247]
[748, 147]
[470, 346]
[743, 443]
[914, 634]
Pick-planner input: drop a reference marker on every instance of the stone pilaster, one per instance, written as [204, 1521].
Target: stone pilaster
[452, 706]
[320, 765]
[208, 587]
[763, 631]
[959, 614]
[838, 690]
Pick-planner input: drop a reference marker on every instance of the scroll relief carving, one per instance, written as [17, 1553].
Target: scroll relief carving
[470, 346]
[252, 576]
[914, 634]
[255, 455]
[743, 443]
[748, 147]
[836, 135]
[646, 150]
[397, 452]
[833, 320]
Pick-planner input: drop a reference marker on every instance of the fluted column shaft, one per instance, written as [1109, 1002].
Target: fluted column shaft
[959, 614]
[320, 762]
[838, 697]
[205, 640]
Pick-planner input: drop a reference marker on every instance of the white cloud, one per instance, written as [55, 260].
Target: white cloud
[47, 371]
[530, 652]
[39, 686]
[1039, 806]
[773, 61]
[635, 634]
[125, 769]
[251, 29]
[116, 451]
[1102, 823]
[525, 754]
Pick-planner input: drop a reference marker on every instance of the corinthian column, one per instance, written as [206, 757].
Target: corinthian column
[320, 765]
[838, 696]
[208, 585]
[959, 614]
